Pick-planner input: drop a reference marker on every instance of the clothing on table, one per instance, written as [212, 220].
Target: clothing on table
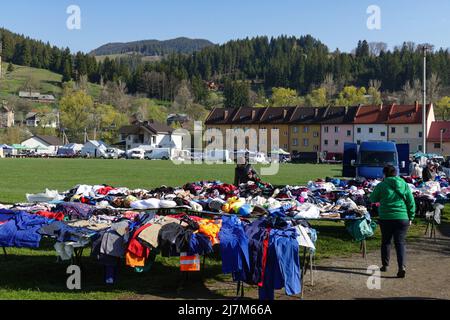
[150, 234]
[22, 230]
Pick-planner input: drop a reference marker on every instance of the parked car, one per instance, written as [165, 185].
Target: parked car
[136, 154]
[157, 154]
[113, 153]
[218, 156]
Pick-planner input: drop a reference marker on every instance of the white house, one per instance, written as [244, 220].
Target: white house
[370, 124]
[150, 134]
[43, 144]
[94, 149]
[47, 120]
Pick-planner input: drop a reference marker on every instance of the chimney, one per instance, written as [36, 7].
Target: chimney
[253, 114]
[417, 106]
[226, 115]
[316, 112]
[285, 112]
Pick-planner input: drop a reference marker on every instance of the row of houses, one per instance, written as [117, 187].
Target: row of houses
[327, 129]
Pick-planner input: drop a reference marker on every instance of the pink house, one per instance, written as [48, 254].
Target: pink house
[337, 129]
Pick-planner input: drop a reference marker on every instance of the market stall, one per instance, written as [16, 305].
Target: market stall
[259, 230]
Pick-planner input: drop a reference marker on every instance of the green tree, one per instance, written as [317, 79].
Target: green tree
[352, 96]
[317, 98]
[443, 108]
[76, 109]
[284, 97]
[236, 94]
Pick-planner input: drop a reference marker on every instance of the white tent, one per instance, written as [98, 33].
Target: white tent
[94, 149]
[70, 149]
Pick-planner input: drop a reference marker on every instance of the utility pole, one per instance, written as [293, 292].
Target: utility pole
[1, 51]
[424, 111]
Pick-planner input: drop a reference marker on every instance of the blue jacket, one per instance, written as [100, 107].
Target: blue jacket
[22, 231]
[234, 248]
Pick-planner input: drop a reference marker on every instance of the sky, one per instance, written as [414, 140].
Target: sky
[337, 23]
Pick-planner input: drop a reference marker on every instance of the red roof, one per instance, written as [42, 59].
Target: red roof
[372, 114]
[406, 114]
[435, 131]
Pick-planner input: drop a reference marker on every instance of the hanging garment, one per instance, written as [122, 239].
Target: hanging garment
[257, 233]
[234, 248]
[199, 244]
[282, 266]
[174, 239]
[150, 234]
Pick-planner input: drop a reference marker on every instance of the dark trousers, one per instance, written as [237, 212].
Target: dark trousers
[396, 229]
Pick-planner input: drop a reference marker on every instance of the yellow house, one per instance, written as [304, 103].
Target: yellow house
[304, 126]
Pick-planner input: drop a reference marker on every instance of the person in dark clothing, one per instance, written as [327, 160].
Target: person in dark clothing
[397, 211]
[244, 172]
[427, 173]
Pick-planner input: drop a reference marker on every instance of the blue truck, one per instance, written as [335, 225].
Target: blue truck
[369, 159]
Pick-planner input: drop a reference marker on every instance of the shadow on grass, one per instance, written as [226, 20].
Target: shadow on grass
[41, 274]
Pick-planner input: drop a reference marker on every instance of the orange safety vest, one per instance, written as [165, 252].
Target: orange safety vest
[189, 263]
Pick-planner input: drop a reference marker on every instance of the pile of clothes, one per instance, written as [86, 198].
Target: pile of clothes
[256, 227]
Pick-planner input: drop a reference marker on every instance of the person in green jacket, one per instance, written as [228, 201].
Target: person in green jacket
[397, 211]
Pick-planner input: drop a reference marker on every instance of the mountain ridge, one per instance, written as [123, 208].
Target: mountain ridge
[153, 47]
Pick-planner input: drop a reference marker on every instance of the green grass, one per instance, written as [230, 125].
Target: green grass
[13, 82]
[47, 81]
[21, 176]
[33, 274]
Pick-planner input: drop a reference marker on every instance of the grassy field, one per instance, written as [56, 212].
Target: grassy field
[33, 274]
[47, 81]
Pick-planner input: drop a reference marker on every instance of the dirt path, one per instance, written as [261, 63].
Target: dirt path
[428, 275]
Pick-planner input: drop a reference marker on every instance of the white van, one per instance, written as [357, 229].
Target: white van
[157, 154]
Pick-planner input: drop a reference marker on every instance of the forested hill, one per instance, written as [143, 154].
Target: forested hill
[154, 47]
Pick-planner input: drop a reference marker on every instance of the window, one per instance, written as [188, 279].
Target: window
[295, 130]
[383, 134]
[358, 130]
[349, 133]
[393, 130]
[154, 140]
[406, 130]
[437, 145]
[305, 142]
[420, 134]
[326, 129]
[316, 134]
[336, 129]
[336, 142]
[285, 133]
[420, 147]
[325, 142]
[378, 157]
[286, 146]
[295, 142]
[306, 129]
[316, 148]
[370, 130]
[358, 142]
